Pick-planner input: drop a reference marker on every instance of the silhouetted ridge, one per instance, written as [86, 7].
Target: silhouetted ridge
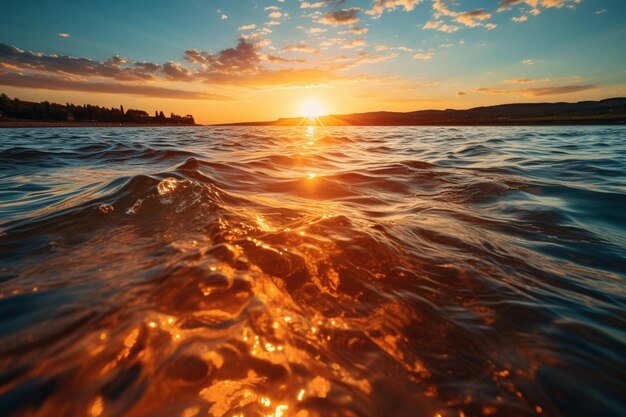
[609, 111]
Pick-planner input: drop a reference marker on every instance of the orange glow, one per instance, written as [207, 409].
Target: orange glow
[97, 408]
[344, 98]
[312, 108]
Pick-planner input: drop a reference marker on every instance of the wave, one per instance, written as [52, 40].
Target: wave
[343, 271]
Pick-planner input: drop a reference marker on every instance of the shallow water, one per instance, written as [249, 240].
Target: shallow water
[313, 272]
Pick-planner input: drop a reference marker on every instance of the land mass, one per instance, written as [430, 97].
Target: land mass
[19, 113]
[608, 111]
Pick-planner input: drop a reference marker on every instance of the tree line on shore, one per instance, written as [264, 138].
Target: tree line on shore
[46, 111]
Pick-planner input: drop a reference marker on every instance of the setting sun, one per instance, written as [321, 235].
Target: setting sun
[308, 208]
[312, 108]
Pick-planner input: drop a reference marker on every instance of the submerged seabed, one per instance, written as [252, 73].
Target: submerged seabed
[313, 272]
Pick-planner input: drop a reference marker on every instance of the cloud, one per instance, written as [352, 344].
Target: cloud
[536, 5]
[341, 17]
[241, 59]
[574, 78]
[307, 5]
[301, 48]
[365, 58]
[63, 64]
[353, 43]
[223, 17]
[381, 6]
[247, 27]
[274, 59]
[176, 72]
[410, 100]
[424, 55]
[64, 35]
[518, 81]
[354, 31]
[528, 61]
[242, 67]
[461, 93]
[281, 78]
[147, 67]
[441, 8]
[539, 91]
[507, 4]
[275, 15]
[432, 24]
[519, 19]
[470, 18]
[55, 83]
[440, 26]
[342, 63]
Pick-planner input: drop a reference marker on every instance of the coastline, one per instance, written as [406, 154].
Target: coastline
[34, 123]
[603, 122]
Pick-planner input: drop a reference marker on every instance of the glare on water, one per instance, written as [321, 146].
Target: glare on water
[312, 271]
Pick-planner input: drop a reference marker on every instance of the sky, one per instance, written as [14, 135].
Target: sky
[250, 60]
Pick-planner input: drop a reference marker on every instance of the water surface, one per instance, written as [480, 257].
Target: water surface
[313, 271]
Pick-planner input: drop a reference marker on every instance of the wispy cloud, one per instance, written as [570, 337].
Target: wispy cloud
[353, 43]
[424, 55]
[55, 83]
[354, 31]
[474, 18]
[301, 48]
[380, 6]
[538, 91]
[247, 27]
[440, 26]
[307, 5]
[115, 67]
[341, 17]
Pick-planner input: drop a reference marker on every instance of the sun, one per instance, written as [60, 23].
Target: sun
[312, 108]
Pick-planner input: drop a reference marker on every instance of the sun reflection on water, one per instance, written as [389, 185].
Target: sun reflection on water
[290, 294]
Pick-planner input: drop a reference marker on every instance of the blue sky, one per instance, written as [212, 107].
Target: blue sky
[354, 55]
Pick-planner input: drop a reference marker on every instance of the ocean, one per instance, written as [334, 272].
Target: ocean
[311, 271]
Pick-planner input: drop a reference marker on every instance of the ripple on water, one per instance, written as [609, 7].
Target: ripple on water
[312, 272]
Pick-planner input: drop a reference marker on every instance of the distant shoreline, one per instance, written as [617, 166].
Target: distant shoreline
[610, 111]
[34, 123]
[29, 124]
[604, 122]
[607, 112]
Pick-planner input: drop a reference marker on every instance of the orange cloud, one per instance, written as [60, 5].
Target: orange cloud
[57, 83]
[300, 48]
[539, 91]
[470, 18]
[380, 6]
[341, 17]
[115, 67]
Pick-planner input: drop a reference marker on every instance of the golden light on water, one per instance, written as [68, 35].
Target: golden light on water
[276, 308]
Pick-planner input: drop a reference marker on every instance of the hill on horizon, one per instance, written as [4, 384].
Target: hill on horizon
[607, 111]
